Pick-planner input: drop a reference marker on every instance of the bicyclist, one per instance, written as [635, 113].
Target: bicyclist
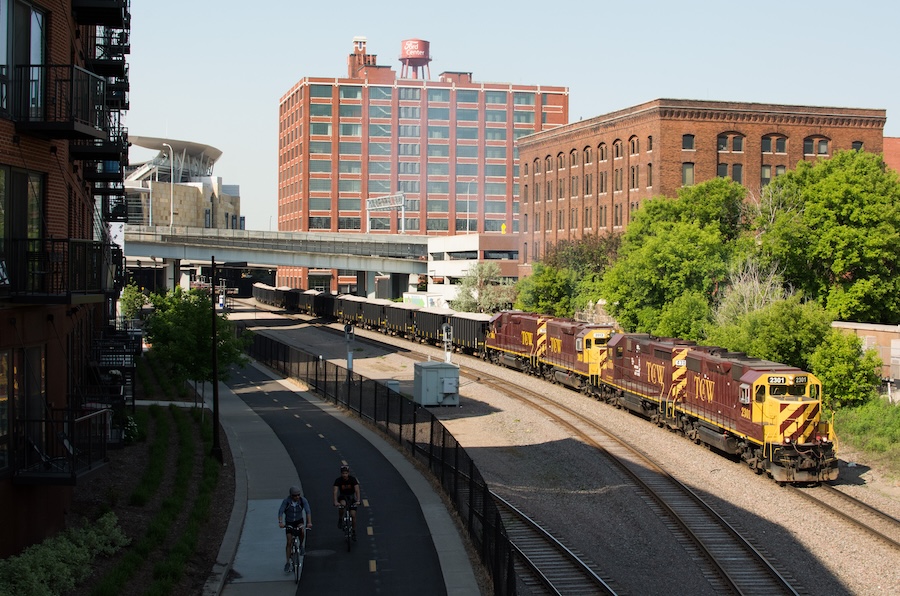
[293, 511]
[346, 494]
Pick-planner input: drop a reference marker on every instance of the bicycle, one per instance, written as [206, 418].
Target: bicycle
[297, 550]
[347, 526]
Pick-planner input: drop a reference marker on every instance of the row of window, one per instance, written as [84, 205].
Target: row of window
[731, 142]
[562, 223]
[433, 95]
[576, 188]
[411, 223]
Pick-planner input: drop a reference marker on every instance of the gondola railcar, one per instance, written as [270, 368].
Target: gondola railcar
[469, 331]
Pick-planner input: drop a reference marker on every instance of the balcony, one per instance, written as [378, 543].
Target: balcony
[111, 195]
[62, 448]
[110, 46]
[59, 102]
[65, 271]
[114, 147]
[108, 13]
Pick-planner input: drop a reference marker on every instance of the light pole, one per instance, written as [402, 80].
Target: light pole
[171, 186]
[468, 186]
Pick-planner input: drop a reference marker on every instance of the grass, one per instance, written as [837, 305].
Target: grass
[873, 428]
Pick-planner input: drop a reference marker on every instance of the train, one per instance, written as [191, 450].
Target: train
[766, 414]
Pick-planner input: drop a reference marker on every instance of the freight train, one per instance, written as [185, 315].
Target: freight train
[767, 414]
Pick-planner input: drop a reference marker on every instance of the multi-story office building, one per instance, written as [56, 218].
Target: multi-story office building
[590, 176]
[63, 90]
[448, 145]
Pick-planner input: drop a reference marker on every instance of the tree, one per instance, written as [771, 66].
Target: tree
[686, 317]
[786, 331]
[483, 289]
[749, 288]
[834, 229]
[590, 255]
[547, 290]
[849, 375]
[658, 268]
[180, 331]
[131, 301]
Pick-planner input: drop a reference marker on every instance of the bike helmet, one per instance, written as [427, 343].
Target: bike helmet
[345, 469]
[295, 490]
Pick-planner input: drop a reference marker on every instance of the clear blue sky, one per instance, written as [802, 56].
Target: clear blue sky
[212, 71]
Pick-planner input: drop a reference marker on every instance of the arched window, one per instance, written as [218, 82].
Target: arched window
[601, 152]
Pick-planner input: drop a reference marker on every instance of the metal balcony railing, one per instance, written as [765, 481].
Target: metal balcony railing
[61, 271]
[59, 102]
[110, 13]
[62, 447]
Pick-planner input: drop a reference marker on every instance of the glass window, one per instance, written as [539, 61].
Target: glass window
[379, 111]
[379, 186]
[349, 167]
[495, 115]
[495, 188]
[410, 112]
[344, 186]
[467, 115]
[822, 147]
[687, 142]
[467, 169]
[410, 130]
[438, 169]
[380, 93]
[765, 175]
[722, 170]
[320, 165]
[523, 99]
[347, 130]
[350, 92]
[495, 170]
[496, 134]
[495, 97]
[807, 146]
[781, 145]
[438, 113]
[493, 152]
[438, 132]
[737, 173]
[320, 110]
[489, 207]
[767, 144]
[435, 95]
[412, 93]
[320, 91]
[779, 170]
[438, 150]
[467, 132]
[649, 144]
[737, 144]
[687, 174]
[380, 223]
[345, 148]
[437, 206]
[466, 96]
[467, 151]
[379, 130]
[379, 149]
[322, 147]
[379, 167]
[319, 185]
[347, 223]
[857, 145]
[435, 187]
[346, 111]
[437, 224]
[317, 223]
[320, 128]
[522, 117]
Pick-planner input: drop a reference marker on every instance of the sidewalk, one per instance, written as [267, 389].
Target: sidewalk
[262, 470]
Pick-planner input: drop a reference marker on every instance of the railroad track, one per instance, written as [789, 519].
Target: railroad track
[543, 562]
[737, 566]
[862, 515]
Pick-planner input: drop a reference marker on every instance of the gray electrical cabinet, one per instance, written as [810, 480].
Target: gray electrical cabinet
[436, 384]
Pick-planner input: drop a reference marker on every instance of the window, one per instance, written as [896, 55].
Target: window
[350, 130]
[635, 174]
[649, 144]
[737, 173]
[320, 91]
[492, 152]
[587, 155]
[380, 93]
[523, 99]
[573, 186]
[354, 111]
[468, 133]
[779, 170]
[495, 170]
[320, 128]
[319, 223]
[857, 145]
[649, 175]
[379, 130]
[438, 150]
[320, 110]
[345, 148]
[601, 151]
[348, 223]
[737, 144]
[617, 150]
[438, 113]
[466, 115]
[687, 142]
[438, 132]
[409, 167]
[767, 144]
[320, 165]
[319, 185]
[765, 175]
[379, 111]
[495, 97]
[379, 186]
[411, 93]
[521, 117]
[467, 151]
[495, 134]
[406, 130]
[781, 145]
[321, 147]
[687, 174]
[466, 96]
[379, 148]
[348, 204]
[411, 112]
[822, 147]
[409, 149]
[495, 115]
[438, 169]
[438, 95]
[350, 167]
[560, 161]
[722, 170]
[635, 145]
[347, 92]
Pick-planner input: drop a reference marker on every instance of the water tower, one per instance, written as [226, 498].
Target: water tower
[415, 57]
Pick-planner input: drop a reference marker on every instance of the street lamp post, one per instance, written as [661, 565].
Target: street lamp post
[171, 186]
[468, 186]
[216, 445]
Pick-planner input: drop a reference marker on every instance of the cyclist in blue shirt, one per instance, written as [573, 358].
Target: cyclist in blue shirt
[293, 511]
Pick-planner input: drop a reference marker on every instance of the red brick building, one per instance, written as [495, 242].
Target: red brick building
[448, 145]
[63, 90]
[892, 153]
[590, 176]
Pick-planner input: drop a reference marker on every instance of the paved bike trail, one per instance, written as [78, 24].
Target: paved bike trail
[279, 436]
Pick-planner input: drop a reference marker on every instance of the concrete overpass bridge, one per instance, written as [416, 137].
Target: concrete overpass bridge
[367, 254]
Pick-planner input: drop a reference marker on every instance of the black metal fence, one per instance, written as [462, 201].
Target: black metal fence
[415, 431]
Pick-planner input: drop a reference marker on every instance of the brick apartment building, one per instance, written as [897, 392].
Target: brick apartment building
[62, 152]
[590, 176]
[448, 145]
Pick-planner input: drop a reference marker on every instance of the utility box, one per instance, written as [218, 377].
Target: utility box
[436, 384]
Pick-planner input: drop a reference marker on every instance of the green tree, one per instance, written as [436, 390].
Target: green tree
[653, 270]
[180, 331]
[587, 256]
[834, 229]
[547, 290]
[132, 301]
[686, 317]
[483, 289]
[849, 375]
[786, 331]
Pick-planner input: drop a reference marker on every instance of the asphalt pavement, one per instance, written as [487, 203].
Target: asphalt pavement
[251, 558]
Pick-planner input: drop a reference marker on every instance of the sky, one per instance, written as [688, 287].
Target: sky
[213, 72]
